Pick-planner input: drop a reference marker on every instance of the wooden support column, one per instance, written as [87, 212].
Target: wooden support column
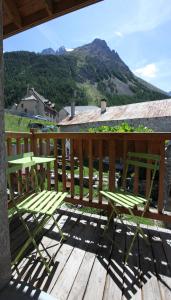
[5, 256]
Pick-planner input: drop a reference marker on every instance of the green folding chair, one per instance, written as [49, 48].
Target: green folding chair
[124, 198]
[42, 205]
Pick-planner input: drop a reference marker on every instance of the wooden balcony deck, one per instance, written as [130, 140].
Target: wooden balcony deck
[89, 266]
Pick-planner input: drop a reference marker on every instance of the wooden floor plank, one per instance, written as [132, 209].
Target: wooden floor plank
[92, 240]
[131, 280]
[150, 286]
[114, 280]
[64, 252]
[163, 269]
[66, 279]
[97, 279]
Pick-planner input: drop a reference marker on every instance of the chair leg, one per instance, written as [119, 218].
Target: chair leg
[108, 222]
[138, 230]
[30, 240]
[59, 229]
[40, 254]
[144, 237]
[131, 245]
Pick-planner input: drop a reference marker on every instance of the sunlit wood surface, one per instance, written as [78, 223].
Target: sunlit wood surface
[88, 265]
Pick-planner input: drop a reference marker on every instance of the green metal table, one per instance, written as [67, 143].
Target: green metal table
[32, 161]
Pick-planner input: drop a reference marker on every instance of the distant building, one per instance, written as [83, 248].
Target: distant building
[152, 114]
[72, 111]
[35, 104]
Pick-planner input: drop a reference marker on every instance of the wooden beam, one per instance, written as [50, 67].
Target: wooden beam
[64, 7]
[49, 6]
[5, 261]
[13, 12]
[60, 8]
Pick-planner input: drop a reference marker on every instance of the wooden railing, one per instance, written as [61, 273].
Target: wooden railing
[75, 171]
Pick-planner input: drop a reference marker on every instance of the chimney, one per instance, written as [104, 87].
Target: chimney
[103, 106]
[28, 88]
[72, 109]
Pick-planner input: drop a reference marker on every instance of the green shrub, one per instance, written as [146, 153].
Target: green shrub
[123, 127]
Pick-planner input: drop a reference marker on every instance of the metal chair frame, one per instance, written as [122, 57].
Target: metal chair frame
[130, 201]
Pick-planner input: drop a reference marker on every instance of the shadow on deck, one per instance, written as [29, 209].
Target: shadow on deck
[88, 265]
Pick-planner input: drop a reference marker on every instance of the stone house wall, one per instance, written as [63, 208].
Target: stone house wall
[31, 107]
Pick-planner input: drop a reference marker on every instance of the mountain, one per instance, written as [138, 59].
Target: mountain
[50, 51]
[86, 74]
[169, 93]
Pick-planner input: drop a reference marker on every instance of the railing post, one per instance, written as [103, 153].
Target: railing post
[161, 178]
[32, 140]
[5, 256]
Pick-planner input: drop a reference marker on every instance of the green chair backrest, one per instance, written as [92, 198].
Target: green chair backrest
[142, 160]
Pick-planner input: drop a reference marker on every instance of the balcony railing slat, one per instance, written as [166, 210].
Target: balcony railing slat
[81, 168]
[63, 165]
[125, 150]
[56, 163]
[161, 178]
[9, 146]
[136, 170]
[40, 152]
[90, 156]
[18, 150]
[100, 170]
[111, 165]
[26, 149]
[72, 167]
[48, 165]
[148, 174]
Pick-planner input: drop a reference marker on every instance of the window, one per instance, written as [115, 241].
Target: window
[22, 105]
[25, 110]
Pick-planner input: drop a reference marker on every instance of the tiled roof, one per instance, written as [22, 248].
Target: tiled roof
[151, 109]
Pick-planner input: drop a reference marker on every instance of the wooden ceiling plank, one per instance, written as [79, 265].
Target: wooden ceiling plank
[64, 7]
[49, 7]
[29, 13]
[13, 12]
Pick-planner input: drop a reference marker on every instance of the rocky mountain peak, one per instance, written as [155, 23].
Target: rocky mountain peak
[100, 43]
[61, 51]
[48, 51]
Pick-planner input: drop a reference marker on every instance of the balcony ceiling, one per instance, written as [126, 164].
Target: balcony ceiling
[19, 15]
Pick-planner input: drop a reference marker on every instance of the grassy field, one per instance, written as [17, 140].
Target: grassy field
[20, 124]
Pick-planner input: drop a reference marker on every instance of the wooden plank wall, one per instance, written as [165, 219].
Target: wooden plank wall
[86, 149]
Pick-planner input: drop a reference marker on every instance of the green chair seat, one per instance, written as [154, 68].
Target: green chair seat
[126, 200]
[45, 202]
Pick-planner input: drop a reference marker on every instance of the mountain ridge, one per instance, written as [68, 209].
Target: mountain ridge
[85, 75]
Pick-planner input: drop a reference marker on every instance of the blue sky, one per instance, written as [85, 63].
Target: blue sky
[139, 30]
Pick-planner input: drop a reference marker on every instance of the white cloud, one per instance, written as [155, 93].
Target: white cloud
[157, 73]
[119, 34]
[145, 16]
[148, 71]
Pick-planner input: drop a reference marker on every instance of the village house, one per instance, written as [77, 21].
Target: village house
[152, 114]
[35, 104]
